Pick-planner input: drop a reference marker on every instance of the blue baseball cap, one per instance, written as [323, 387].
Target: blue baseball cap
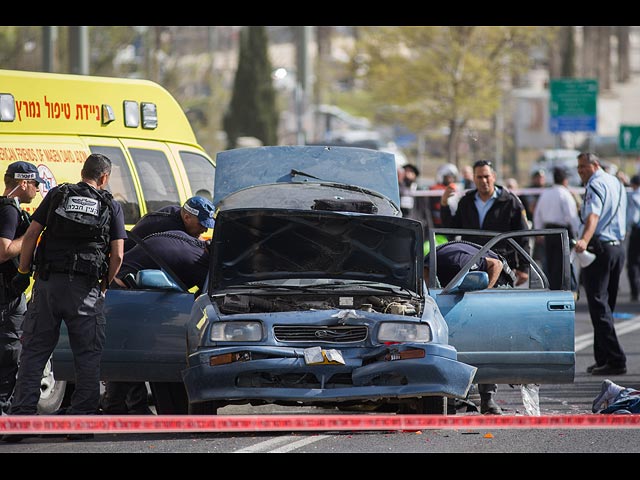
[201, 208]
[24, 171]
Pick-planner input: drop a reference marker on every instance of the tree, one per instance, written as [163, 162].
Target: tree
[252, 110]
[431, 77]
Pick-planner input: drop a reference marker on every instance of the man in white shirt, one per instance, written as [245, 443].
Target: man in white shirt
[633, 230]
[556, 208]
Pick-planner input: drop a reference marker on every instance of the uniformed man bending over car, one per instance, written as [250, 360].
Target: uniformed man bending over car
[172, 234]
[451, 257]
[79, 254]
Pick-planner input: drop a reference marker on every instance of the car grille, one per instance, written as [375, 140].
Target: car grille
[319, 334]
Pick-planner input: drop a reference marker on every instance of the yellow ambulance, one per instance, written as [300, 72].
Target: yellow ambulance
[56, 120]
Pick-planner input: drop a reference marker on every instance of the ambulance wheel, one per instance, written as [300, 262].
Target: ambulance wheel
[54, 394]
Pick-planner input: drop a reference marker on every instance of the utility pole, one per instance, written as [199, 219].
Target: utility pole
[79, 50]
[49, 38]
[302, 35]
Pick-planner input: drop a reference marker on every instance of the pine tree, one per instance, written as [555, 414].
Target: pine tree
[252, 110]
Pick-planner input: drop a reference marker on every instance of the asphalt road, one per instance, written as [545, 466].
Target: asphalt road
[575, 398]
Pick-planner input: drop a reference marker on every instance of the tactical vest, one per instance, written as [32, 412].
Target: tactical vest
[76, 238]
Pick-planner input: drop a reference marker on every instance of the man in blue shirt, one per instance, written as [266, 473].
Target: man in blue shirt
[604, 225]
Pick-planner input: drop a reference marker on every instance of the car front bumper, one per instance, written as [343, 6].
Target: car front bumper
[281, 374]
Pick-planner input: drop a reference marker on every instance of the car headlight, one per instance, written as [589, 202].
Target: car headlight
[236, 331]
[404, 332]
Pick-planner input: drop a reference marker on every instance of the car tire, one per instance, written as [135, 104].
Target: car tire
[424, 406]
[169, 398]
[203, 408]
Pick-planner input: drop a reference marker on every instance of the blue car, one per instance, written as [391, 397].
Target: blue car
[316, 296]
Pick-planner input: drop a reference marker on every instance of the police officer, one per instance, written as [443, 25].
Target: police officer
[604, 224]
[192, 219]
[78, 255]
[454, 255]
[21, 182]
[489, 207]
[186, 256]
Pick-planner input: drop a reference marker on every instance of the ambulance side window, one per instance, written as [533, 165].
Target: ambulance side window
[200, 173]
[158, 184]
[121, 183]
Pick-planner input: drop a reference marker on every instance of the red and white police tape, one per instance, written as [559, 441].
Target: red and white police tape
[56, 424]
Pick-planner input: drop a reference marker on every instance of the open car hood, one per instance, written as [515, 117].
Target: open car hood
[242, 168]
[251, 245]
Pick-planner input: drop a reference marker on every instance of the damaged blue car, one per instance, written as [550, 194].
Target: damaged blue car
[316, 293]
[315, 296]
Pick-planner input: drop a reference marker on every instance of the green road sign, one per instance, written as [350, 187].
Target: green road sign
[573, 105]
[629, 139]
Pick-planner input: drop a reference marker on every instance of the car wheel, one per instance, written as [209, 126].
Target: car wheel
[54, 394]
[170, 398]
[203, 408]
[424, 406]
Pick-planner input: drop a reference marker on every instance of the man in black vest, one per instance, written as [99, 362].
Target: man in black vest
[21, 182]
[79, 254]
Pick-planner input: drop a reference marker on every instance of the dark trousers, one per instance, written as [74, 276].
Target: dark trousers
[633, 262]
[79, 302]
[601, 280]
[11, 318]
[121, 398]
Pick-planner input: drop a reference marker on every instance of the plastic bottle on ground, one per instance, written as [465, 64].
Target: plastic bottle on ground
[530, 398]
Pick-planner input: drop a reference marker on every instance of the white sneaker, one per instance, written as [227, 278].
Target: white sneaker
[608, 392]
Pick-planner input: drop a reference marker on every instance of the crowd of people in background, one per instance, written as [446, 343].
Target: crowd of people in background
[604, 220]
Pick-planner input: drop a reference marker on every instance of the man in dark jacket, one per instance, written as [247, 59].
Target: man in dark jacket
[489, 207]
[494, 208]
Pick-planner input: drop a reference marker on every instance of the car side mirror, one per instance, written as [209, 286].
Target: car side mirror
[155, 280]
[471, 282]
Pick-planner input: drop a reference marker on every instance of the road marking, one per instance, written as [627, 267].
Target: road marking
[586, 340]
[267, 445]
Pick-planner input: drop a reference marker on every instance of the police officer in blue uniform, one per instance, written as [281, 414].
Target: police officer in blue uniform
[21, 182]
[454, 255]
[184, 253]
[186, 256]
[194, 218]
[79, 254]
[603, 216]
